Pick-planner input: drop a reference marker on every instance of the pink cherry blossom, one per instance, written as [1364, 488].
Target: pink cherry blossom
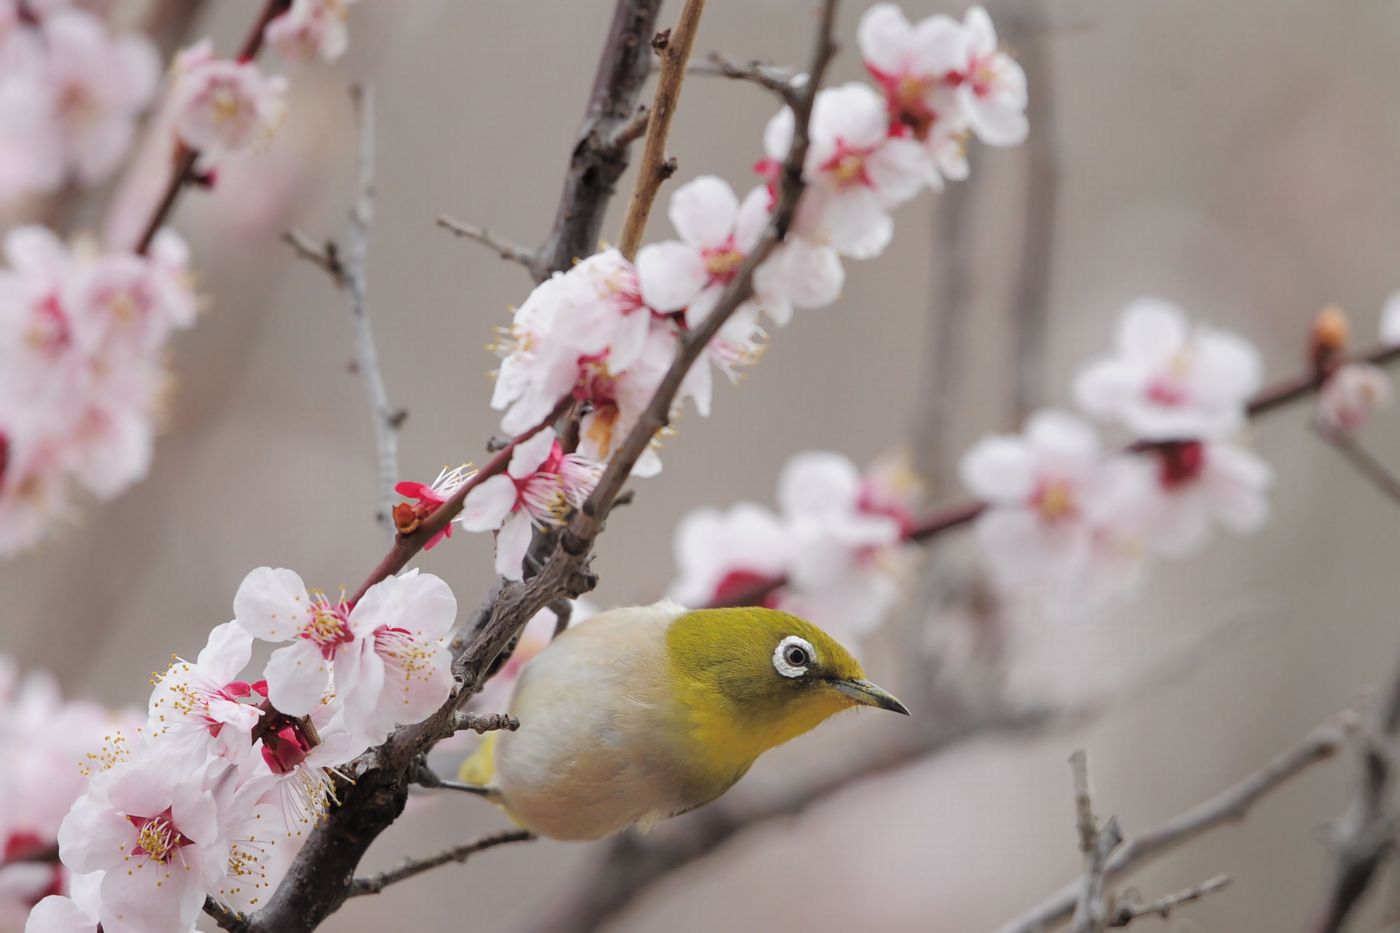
[991, 87]
[720, 553]
[1200, 484]
[75, 913]
[913, 65]
[540, 486]
[311, 29]
[1390, 321]
[430, 496]
[716, 234]
[158, 834]
[388, 651]
[1168, 380]
[845, 561]
[856, 171]
[1062, 520]
[1351, 395]
[201, 707]
[223, 106]
[100, 86]
[294, 763]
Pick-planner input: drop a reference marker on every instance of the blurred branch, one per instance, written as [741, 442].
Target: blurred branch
[1365, 835]
[1125, 914]
[595, 164]
[673, 47]
[348, 271]
[376, 883]
[506, 249]
[1096, 844]
[1031, 296]
[183, 157]
[1361, 459]
[950, 517]
[1230, 805]
[781, 81]
[318, 881]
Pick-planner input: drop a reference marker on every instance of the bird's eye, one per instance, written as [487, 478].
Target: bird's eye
[793, 656]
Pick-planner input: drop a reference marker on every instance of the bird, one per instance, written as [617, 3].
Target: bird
[645, 712]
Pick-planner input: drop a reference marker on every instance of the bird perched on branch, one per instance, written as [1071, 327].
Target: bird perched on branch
[642, 713]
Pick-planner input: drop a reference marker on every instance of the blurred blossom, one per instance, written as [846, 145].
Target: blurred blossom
[70, 94]
[223, 106]
[1390, 321]
[837, 546]
[82, 336]
[539, 487]
[44, 741]
[311, 29]
[1168, 380]
[1200, 484]
[1063, 520]
[1351, 395]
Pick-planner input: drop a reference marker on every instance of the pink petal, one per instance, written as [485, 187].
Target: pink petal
[296, 677]
[703, 211]
[488, 504]
[671, 274]
[271, 603]
[512, 541]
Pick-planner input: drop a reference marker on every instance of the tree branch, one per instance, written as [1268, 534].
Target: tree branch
[1096, 844]
[506, 249]
[376, 883]
[1125, 914]
[1365, 835]
[595, 165]
[781, 81]
[184, 157]
[673, 46]
[1228, 806]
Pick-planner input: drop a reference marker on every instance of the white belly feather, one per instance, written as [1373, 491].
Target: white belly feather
[586, 761]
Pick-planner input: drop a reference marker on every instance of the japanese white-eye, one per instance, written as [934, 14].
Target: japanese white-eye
[645, 712]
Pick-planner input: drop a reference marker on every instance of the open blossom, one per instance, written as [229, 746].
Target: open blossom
[311, 29]
[856, 172]
[1062, 520]
[1169, 380]
[388, 652]
[429, 496]
[991, 87]
[1351, 395]
[293, 765]
[201, 707]
[221, 105]
[1195, 485]
[158, 835]
[721, 553]
[541, 484]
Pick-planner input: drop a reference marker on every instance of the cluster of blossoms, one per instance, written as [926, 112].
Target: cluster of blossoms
[606, 331]
[1352, 391]
[70, 93]
[44, 742]
[82, 337]
[1068, 521]
[212, 796]
[837, 544]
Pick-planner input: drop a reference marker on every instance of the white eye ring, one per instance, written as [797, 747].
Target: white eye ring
[792, 645]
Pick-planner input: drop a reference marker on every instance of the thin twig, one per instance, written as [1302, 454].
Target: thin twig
[1365, 835]
[184, 158]
[1226, 807]
[674, 49]
[1361, 459]
[781, 81]
[1125, 914]
[485, 722]
[376, 883]
[226, 917]
[506, 249]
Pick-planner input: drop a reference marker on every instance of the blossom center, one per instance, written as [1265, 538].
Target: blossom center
[1181, 462]
[1055, 500]
[738, 583]
[49, 331]
[723, 263]
[157, 837]
[328, 626]
[402, 652]
[286, 746]
[847, 166]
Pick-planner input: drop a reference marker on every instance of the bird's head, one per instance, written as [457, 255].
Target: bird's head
[753, 678]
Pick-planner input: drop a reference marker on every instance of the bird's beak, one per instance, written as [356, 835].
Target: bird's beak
[867, 694]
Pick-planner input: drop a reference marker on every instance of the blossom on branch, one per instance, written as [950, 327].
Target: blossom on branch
[1168, 380]
[311, 29]
[539, 487]
[223, 106]
[429, 497]
[1351, 395]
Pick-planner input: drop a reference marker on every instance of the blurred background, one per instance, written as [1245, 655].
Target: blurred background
[1236, 158]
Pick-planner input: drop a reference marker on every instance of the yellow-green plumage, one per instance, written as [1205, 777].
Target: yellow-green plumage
[641, 713]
